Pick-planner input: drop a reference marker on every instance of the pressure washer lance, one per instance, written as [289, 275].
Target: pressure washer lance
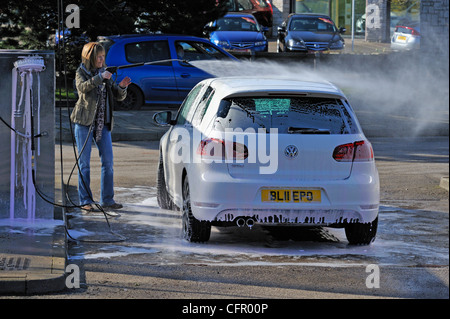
[113, 69]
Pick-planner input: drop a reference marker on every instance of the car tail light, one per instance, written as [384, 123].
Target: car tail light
[359, 151]
[270, 6]
[213, 148]
[412, 30]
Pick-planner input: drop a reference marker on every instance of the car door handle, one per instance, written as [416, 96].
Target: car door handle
[185, 75]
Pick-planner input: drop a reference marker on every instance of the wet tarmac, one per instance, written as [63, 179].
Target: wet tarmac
[406, 237]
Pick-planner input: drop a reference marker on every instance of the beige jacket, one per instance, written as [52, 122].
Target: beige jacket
[86, 106]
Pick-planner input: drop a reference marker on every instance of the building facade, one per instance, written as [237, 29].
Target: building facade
[434, 26]
[375, 20]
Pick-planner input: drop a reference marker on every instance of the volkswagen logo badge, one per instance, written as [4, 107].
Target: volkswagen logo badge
[291, 151]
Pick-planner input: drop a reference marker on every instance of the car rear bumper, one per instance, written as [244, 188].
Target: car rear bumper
[222, 199]
[404, 46]
[412, 43]
[305, 217]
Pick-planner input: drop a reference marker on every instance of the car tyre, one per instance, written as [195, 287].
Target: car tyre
[361, 234]
[193, 229]
[133, 101]
[164, 200]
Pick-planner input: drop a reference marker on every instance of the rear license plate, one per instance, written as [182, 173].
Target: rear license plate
[291, 196]
[401, 38]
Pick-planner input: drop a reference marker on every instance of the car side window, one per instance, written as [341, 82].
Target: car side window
[186, 106]
[148, 51]
[203, 106]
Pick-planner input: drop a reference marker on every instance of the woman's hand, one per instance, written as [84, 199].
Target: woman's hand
[106, 75]
[125, 82]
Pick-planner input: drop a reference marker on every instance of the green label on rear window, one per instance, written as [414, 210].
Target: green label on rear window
[272, 105]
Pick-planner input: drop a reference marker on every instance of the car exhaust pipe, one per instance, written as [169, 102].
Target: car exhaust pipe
[240, 222]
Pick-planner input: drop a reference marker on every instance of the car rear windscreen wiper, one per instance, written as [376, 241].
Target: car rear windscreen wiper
[307, 130]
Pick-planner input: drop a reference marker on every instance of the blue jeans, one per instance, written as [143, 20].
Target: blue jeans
[105, 151]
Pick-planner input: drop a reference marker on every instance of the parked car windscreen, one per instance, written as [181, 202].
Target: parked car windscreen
[237, 24]
[313, 24]
[194, 51]
[295, 115]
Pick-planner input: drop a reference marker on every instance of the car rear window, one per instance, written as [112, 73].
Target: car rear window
[404, 30]
[294, 115]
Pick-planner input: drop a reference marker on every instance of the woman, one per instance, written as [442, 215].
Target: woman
[93, 120]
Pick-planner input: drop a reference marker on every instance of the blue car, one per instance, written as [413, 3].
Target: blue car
[169, 76]
[238, 32]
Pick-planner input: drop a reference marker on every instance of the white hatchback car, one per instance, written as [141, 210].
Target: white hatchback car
[406, 38]
[273, 152]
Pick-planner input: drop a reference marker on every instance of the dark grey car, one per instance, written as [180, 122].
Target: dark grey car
[309, 33]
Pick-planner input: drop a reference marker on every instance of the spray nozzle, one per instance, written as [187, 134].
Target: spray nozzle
[42, 134]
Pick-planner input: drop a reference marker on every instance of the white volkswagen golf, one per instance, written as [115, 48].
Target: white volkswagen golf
[267, 151]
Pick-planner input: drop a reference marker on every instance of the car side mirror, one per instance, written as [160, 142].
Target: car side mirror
[281, 29]
[163, 118]
[265, 29]
[207, 29]
[342, 30]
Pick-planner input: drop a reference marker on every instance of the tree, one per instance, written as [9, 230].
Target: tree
[25, 24]
[180, 17]
[29, 24]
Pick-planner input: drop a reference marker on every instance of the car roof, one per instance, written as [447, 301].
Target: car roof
[308, 15]
[272, 86]
[239, 14]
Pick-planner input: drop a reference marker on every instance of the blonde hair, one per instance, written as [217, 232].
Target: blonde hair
[89, 54]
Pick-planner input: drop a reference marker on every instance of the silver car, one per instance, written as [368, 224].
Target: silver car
[405, 38]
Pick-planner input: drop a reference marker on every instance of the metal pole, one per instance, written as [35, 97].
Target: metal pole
[60, 56]
[353, 25]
